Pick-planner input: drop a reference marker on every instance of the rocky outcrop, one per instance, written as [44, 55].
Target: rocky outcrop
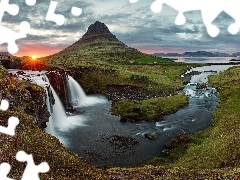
[201, 86]
[151, 136]
[38, 109]
[117, 92]
[96, 31]
[58, 80]
[182, 139]
[25, 97]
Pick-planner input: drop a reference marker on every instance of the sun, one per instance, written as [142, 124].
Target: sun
[34, 57]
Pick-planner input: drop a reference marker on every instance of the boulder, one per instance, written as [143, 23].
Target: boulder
[151, 136]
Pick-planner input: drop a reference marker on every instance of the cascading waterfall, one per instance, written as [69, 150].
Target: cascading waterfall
[77, 96]
[59, 121]
[59, 115]
[76, 91]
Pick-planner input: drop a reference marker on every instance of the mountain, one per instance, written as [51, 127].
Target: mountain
[98, 43]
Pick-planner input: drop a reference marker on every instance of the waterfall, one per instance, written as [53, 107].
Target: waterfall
[49, 129]
[78, 97]
[59, 115]
[76, 91]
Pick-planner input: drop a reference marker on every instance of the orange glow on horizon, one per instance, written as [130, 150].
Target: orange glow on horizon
[34, 57]
[37, 51]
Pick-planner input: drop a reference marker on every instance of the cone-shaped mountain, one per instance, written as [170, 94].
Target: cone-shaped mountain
[98, 43]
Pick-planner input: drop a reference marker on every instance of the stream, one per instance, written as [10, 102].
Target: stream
[103, 140]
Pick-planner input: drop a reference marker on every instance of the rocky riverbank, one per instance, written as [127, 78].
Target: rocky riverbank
[31, 97]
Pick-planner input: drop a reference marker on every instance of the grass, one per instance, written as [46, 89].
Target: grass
[149, 110]
[212, 153]
[30, 138]
[218, 146]
[152, 60]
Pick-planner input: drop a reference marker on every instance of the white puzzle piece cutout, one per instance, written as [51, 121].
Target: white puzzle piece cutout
[76, 11]
[12, 124]
[4, 105]
[9, 36]
[210, 10]
[30, 2]
[51, 16]
[4, 170]
[12, 9]
[31, 171]
[12, 121]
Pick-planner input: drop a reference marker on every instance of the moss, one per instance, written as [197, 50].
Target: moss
[150, 109]
[30, 138]
[217, 146]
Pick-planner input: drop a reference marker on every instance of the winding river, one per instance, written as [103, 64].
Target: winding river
[103, 140]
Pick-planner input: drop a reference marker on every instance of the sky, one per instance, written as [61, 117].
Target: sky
[134, 24]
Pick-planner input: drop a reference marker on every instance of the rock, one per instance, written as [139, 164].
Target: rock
[139, 78]
[165, 152]
[96, 31]
[125, 119]
[173, 143]
[201, 86]
[184, 137]
[151, 136]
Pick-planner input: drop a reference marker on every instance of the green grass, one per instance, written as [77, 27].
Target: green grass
[152, 60]
[219, 145]
[150, 109]
[30, 138]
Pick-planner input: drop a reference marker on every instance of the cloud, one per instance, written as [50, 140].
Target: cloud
[134, 24]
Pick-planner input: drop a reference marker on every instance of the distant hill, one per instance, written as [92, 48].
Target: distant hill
[98, 43]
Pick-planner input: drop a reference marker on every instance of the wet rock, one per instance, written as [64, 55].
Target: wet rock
[184, 137]
[125, 119]
[58, 80]
[151, 136]
[173, 143]
[21, 72]
[187, 77]
[165, 152]
[201, 86]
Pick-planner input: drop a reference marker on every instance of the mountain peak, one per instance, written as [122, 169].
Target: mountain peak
[99, 43]
[98, 30]
[98, 27]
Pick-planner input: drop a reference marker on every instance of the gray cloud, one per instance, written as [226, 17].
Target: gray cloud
[134, 24]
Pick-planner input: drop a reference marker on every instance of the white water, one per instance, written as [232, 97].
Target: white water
[76, 92]
[78, 98]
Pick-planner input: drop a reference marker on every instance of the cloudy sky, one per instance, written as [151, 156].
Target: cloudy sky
[134, 24]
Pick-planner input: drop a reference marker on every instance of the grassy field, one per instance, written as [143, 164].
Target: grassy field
[213, 153]
[219, 145]
[149, 110]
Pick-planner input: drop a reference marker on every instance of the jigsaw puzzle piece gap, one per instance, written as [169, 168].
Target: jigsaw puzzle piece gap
[12, 124]
[9, 36]
[4, 171]
[133, 1]
[209, 14]
[180, 19]
[51, 16]
[156, 6]
[232, 9]
[4, 105]
[30, 2]
[31, 171]
[233, 28]
[12, 9]
[76, 11]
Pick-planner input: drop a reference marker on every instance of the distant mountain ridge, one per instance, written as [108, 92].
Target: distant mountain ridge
[98, 43]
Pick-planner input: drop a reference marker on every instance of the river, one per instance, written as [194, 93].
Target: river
[103, 140]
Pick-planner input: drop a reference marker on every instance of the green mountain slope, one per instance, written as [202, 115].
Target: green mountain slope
[98, 43]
